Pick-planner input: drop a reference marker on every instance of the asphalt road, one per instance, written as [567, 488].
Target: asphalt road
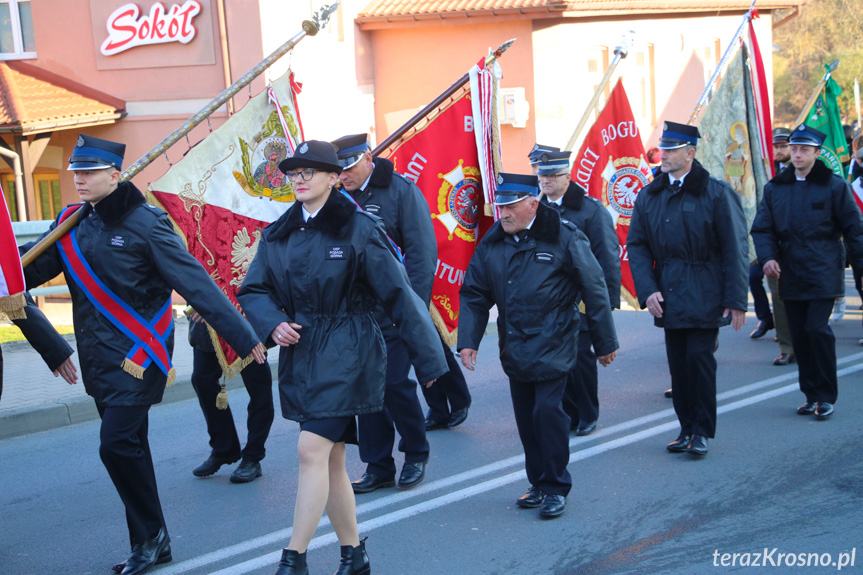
[772, 481]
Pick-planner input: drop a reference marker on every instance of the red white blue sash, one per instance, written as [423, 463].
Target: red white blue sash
[149, 336]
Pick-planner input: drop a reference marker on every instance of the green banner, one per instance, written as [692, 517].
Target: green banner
[824, 116]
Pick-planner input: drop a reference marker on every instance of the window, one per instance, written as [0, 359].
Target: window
[48, 195]
[7, 182]
[16, 30]
[640, 85]
[597, 64]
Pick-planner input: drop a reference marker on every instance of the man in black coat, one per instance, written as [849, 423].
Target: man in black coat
[55, 351]
[798, 231]
[122, 261]
[380, 191]
[535, 268]
[688, 259]
[224, 440]
[570, 200]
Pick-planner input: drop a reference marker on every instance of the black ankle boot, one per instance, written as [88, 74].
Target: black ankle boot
[292, 563]
[355, 560]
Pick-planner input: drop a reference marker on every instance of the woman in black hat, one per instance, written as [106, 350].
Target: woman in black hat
[319, 271]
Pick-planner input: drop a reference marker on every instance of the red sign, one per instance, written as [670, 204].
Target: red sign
[128, 29]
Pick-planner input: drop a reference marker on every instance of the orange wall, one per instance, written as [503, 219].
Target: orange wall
[414, 65]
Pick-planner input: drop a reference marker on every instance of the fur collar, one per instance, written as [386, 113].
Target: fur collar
[819, 174]
[114, 207]
[382, 175]
[335, 213]
[573, 198]
[546, 227]
[694, 183]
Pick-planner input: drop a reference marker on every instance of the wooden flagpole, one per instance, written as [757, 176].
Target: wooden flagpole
[310, 28]
[816, 92]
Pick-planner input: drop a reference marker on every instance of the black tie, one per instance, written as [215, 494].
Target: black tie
[675, 187]
[522, 235]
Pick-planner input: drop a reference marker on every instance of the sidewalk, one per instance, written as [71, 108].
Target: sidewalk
[34, 400]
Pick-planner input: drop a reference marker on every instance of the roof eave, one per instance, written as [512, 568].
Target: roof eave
[29, 129]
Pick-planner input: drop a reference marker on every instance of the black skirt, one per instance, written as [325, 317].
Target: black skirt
[336, 429]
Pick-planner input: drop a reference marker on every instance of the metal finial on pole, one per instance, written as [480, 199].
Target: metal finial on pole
[621, 51]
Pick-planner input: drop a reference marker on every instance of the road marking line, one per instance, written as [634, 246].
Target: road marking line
[283, 535]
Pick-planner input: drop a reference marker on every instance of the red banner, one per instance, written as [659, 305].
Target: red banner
[762, 101]
[11, 272]
[440, 156]
[612, 167]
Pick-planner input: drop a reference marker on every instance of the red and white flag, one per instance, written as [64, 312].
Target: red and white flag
[227, 188]
[762, 100]
[11, 273]
[612, 168]
[451, 155]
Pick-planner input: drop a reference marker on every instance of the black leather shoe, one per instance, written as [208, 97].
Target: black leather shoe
[531, 499]
[292, 563]
[698, 445]
[679, 445]
[412, 474]
[212, 465]
[761, 329]
[432, 423]
[164, 557]
[148, 554]
[552, 506]
[668, 394]
[457, 417]
[784, 359]
[355, 560]
[247, 471]
[823, 410]
[807, 408]
[369, 482]
[586, 427]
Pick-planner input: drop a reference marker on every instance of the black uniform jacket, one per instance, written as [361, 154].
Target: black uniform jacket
[133, 249]
[328, 275]
[401, 205]
[800, 225]
[691, 247]
[589, 216]
[42, 336]
[536, 284]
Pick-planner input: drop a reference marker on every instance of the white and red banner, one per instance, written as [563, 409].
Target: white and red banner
[762, 100]
[227, 188]
[452, 154]
[612, 168]
[11, 273]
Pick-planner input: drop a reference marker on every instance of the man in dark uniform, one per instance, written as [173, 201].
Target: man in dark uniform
[122, 261]
[798, 231]
[536, 153]
[688, 261]
[224, 440]
[580, 400]
[535, 267]
[55, 351]
[382, 192]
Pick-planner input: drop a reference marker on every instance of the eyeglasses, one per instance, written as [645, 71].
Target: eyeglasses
[553, 176]
[305, 174]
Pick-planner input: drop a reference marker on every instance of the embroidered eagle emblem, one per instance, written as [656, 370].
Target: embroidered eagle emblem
[243, 252]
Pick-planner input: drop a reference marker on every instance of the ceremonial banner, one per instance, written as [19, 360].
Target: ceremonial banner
[729, 147]
[762, 101]
[824, 116]
[612, 168]
[11, 273]
[228, 187]
[440, 155]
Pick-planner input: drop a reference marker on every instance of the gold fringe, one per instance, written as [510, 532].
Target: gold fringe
[449, 338]
[222, 398]
[13, 306]
[630, 298]
[228, 370]
[172, 376]
[133, 368]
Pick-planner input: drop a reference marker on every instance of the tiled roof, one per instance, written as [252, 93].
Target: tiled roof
[33, 100]
[391, 10]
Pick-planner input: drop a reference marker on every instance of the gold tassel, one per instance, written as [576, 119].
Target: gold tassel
[222, 398]
[172, 376]
[133, 369]
[13, 306]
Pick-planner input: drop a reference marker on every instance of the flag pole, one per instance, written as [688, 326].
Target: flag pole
[816, 92]
[310, 28]
[705, 95]
[620, 52]
[438, 101]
